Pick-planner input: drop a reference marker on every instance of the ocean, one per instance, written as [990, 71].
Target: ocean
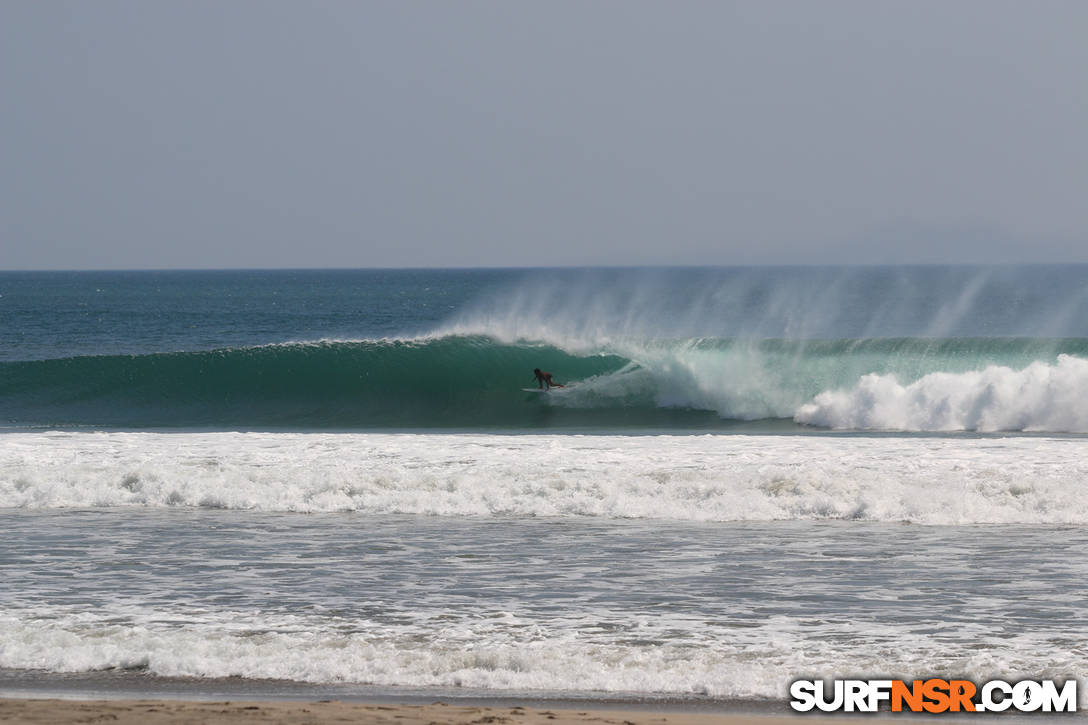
[338, 480]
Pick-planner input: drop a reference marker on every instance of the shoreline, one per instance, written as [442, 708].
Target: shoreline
[289, 711]
[133, 685]
[326, 712]
[137, 698]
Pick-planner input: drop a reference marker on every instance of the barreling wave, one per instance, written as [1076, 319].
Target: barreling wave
[476, 381]
[414, 383]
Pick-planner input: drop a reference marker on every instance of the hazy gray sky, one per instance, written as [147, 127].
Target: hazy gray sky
[261, 133]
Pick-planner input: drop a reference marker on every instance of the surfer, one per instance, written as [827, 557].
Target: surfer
[544, 379]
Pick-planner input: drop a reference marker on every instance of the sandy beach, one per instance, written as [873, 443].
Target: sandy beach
[180, 712]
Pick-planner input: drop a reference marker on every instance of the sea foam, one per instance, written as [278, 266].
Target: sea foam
[934, 480]
[500, 651]
[1040, 397]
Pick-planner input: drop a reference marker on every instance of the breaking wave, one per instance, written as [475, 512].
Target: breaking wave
[1040, 397]
[475, 380]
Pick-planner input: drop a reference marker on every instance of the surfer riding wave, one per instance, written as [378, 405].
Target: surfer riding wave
[544, 379]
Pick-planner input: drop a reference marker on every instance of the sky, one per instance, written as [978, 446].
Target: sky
[267, 134]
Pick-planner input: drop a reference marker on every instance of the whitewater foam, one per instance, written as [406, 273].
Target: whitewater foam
[1040, 397]
[689, 478]
[500, 651]
[910, 384]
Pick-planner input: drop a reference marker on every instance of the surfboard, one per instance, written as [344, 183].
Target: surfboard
[534, 390]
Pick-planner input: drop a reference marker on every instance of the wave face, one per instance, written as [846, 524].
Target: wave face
[476, 381]
[424, 383]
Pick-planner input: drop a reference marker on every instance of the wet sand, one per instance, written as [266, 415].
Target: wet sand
[182, 712]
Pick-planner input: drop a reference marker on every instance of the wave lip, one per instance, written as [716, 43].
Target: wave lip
[1039, 397]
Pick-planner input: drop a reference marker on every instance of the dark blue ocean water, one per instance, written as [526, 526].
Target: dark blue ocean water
[67, 314]
[63, 314]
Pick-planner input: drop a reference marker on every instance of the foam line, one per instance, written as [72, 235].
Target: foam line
[1040, 397]
[687, 478]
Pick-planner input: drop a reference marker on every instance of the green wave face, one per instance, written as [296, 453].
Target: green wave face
[449, 381]
[475, 381]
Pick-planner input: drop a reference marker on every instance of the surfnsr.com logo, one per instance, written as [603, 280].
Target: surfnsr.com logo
[933, 695]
